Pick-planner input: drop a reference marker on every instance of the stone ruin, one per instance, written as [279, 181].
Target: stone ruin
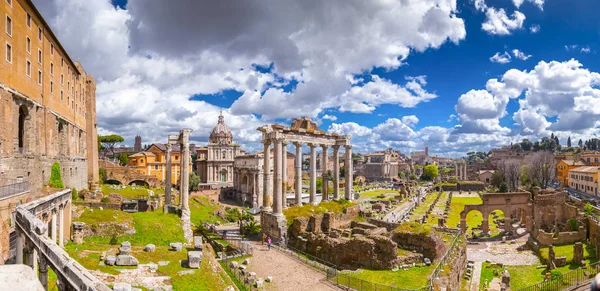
[362, 244]
[124, 258]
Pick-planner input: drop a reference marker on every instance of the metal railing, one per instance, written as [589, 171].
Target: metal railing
[13, 187]
[569, 280]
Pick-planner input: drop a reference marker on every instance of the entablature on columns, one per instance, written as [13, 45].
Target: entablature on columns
[301, 136]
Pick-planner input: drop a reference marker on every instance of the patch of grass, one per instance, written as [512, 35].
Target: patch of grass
[439, 207]
[151, 228]
[567, 251]
[131, 193]
[307, 210]
[422, 208]
[413, 227]
[95, 216]
[375, 193]
[474, 218]
[88, 255]
[202, 210]
[413, 278]
[487, 273]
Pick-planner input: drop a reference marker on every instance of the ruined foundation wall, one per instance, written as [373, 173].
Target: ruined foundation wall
[454, 269]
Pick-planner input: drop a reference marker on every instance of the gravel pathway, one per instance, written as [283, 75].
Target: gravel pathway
[497, 252]
[288, 274]
[476, 276]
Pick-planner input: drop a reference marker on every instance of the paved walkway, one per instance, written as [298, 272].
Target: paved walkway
[476, 276]
[288, 274]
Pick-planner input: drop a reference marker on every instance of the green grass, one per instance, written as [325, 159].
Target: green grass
[567, 250]
[307, 210]
[130, 193]
[474, 218]
[202, 210]
[487, 273]
[439, 207]
[151, 228]
[422, 208]
[95, 216]
[375, 193]
[413, 278]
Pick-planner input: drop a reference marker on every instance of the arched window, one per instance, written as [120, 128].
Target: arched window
[224, 153]
[23, 112]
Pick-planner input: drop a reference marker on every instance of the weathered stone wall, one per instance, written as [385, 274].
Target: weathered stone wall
[431, 246]
[566, 237]
[212, 194]
[108, 229]
[273, 226]
[7, 207]
[454, 269]
[593, 230]
[388, 225]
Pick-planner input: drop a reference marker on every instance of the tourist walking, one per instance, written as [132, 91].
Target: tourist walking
[269, 243]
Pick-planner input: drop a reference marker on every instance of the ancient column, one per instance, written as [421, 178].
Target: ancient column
[278, 164]
[298, 173]
[284, 174]
[336, 172]
[185, 160]
[168, 182]
[465, 172]
[313, 174]
[19, 242]
[456, 170]
[507, 224]
[61, 225]
[43, 271]
[348, 172]
[325, 183]
[266, 177]
[53, 222]
[254, 190]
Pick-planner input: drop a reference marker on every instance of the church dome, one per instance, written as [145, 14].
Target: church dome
[221, 134]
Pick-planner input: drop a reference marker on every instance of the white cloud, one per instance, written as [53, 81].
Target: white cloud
[538, 3]
[394, 129]
[497, 22]
[571, 47]
[501, 58]
[480, 5]
[585, 50]
[350, 128]
[410, 120]
[329, 117]
[534, 28]
[520, 55]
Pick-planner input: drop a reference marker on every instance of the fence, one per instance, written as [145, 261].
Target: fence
[11, 188]
[571, 279]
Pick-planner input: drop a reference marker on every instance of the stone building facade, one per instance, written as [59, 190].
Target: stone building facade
[380, 166]
[153, 161]
[47, 111]
[214, 165]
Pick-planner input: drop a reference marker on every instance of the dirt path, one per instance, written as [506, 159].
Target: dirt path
[288, 274]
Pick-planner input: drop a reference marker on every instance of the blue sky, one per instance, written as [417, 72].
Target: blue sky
[350, 66]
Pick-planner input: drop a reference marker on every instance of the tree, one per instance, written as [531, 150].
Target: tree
[511, 169]
[517, 147]
[55, 178]
[526, 145]
[569, 142]
[430, 171]
[580, 143]
[497, 179]
[503, 188]
[194, 182]
[541, 168]
[123, 159]
[109, 141]
[524, 177]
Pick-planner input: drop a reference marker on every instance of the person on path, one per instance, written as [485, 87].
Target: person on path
[262, 239]
[269, 243]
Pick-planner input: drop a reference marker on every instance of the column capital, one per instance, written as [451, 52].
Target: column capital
[348, 147]
[335, 147]
[168, 146]
[266, 142]
[312, 145]
[285, 142]
[324, 147]
[298, 144]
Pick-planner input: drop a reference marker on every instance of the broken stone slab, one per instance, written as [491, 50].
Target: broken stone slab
[246, 262]
[198, 242]
[126, 244]
[163, 263]
[149, 248]
[110, 260]
[152, 267]
[121, 287]
[186, 272]
[194, 259]
[269, 279]
[124, 250]
[252, 274]
[259, 283]
[176, 246]
[126, 260]
[234, 265]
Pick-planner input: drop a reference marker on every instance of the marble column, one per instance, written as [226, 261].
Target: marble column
[254, 190]
[54, 224]
[61, 225]
[278, 164]
[313, 174]
[20, 242]
[284, 173]
[349, 174]
[465, 172]
[324, 177]
[168, 182]
[336, 172]
[267, 194]
[298, 173]
[185, 178]
[43, 271]
[456, 171]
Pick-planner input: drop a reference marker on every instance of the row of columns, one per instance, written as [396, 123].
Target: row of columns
[461, 171]
[184, 145]
[252, 175]
[277, 194]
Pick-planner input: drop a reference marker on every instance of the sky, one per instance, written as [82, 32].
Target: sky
[454, 75]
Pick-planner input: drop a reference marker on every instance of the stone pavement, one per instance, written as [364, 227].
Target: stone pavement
[476, 276]
[399, 211]
[288, 274]
[506, 253]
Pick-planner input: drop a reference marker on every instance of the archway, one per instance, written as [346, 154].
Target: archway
[498, 221]
[139, 183]
[245, 187]
[23, 114]
[113, 182]
[471, 221]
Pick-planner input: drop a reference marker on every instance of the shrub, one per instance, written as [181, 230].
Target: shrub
[413, 227]
[232, 214]
[503, 188]
[55, 178]
[573, 224]
[588, 208]
[74, 195]
[251, 228]
[104, 200]
[102, 175]
[114, 240]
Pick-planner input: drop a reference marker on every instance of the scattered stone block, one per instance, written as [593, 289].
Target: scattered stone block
[234, 265]
[163, 263]
[186, 272]
[124, 250]
[126, 260]
[121, 287]
[259, 283]
[149, 248]
[252, 274]
[427, 261]
[103, 256]
[194, 259]
[198, 243]
[152, 267]
[246, 262]
[269, 279]
[110, 260]
[176, 246]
